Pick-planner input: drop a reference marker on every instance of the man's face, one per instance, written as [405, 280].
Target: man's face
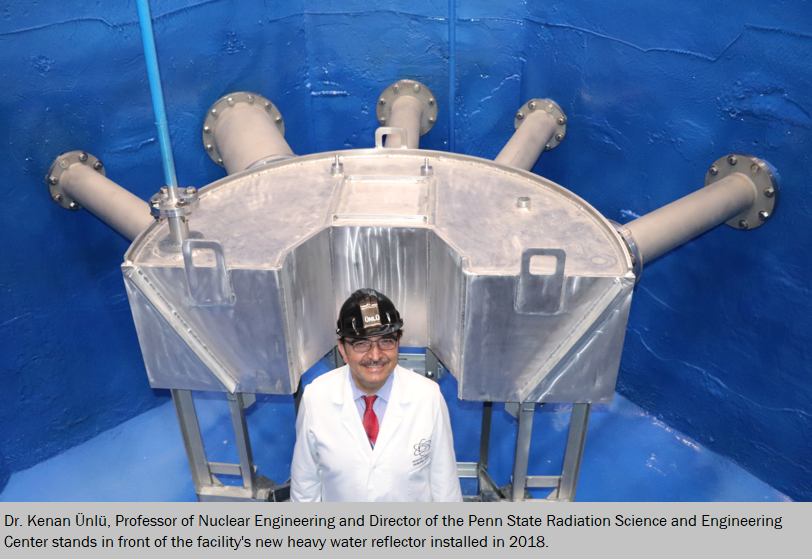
[370, 369]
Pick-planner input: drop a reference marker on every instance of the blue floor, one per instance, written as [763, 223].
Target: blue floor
[629, 455]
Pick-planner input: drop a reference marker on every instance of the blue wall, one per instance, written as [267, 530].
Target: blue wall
[719, 334]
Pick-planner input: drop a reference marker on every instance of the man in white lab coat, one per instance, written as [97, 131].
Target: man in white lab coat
[372, 430]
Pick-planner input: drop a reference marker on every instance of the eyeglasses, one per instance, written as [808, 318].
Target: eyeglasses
[362, 346]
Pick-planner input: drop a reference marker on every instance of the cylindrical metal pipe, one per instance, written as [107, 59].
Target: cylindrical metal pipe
[407, 113]
[528, 141]
[178, 231]
[678, 222]
[118, 208]
[245, 134]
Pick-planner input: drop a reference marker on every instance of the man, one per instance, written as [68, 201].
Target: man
[372, 430]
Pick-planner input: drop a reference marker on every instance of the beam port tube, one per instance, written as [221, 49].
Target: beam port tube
[680, 221]
[245, 134]
[123, 211]
[407, 113]
[528, 141]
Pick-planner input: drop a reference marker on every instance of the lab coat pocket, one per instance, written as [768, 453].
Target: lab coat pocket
[419, 486]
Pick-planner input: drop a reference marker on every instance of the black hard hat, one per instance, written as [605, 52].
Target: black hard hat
[368, 313]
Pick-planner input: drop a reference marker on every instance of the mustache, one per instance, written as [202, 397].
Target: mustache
[375, 362]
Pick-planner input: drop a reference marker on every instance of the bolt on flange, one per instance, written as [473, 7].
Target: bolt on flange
[161, 205]
[231, 102]
[550, 107]
[413, 89]
[760, 174]
[60, 166]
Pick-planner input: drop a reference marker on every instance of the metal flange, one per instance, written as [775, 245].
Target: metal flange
[550, 107]
[160, 205]
[228, 102]
[414, 89]
[60, 165]
[631, 246]
[762, 176]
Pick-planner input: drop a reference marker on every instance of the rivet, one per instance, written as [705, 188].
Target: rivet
[762, 215]
[191, 190]
[64, 163]
[74, 206]
[743, 224]
[523, 202]
[58, 198]
[231, 101]
[209, 147]
[82, 157]
[559, 137]
[206, 130]
[429, 374]
[531, 105]
[220, 161]
[53, 180]
[519, 116]
[561, 121]
[769, 192]
[431, 121]
[396, 88]
[432, 101]
[382, 119]
[714, 170]
[548, 147]
[182, 203]
[754, 168]
[732, 159]
[214, 112]
[382, 101]
[416, 88]
[549, 108]
[98, 165]
[267, 106]
[278, 119]
[164, 190]
[250, 98]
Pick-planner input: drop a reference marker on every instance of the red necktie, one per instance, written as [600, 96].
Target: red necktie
[370, 419]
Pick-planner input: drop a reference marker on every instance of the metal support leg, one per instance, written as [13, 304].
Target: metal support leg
[432, 365]
[235, 404]
[574, 452]
[485, 437]
[522, 450]
[190, 431]
[297, 398]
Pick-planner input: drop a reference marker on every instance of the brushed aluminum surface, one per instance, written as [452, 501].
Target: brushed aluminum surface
[447, 248]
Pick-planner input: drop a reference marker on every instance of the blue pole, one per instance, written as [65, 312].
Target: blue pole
[147, 37]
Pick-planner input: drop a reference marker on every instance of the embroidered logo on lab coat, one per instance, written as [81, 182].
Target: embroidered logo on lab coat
[423, 452]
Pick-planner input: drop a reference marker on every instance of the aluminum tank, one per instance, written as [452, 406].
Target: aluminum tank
[518, 286]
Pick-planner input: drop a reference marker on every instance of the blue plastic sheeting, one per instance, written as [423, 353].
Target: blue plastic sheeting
[629, 455]
[719, 333]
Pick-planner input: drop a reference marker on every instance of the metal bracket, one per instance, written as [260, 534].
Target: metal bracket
[387, 130]
[58, 168]
[540, 293]
[223, 105]
[550, 107]
[209, 286]
[160, 205]
[763, 178]
[414, 89]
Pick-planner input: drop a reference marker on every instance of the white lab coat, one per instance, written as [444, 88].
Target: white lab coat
[413, 458]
